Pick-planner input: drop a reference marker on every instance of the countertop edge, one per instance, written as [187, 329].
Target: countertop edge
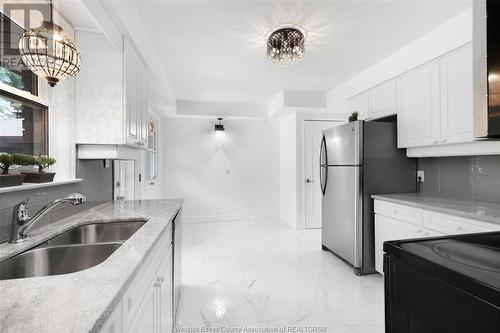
[438, 209]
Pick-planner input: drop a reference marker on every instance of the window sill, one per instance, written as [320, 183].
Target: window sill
[31, 186]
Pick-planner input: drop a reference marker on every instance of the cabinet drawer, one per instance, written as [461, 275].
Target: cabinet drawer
[453, 225]
[135, 293]
[400, 212]
[387, 229]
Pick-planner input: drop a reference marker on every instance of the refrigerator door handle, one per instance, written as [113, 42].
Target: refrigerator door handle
[323, 180]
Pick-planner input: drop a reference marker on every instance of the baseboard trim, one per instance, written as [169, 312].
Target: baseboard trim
[227, 218]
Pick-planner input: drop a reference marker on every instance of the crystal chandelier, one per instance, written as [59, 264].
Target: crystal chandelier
[48, 53]
[285, 45]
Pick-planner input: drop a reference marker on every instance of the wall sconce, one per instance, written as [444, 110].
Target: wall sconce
[220, 131]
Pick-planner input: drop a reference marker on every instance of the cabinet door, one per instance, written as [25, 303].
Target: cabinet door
[144, 107]
[418, 106]
[165, 288]
[387, 229]
[146, 318]
[114, 322]
[359, 103]
[382, 100]
[457, 96]
[177, 263]
[131, 95]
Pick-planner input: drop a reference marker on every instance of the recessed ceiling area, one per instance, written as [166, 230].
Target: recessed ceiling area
[214, 51]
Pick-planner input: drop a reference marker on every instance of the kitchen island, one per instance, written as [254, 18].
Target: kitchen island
[90, 300]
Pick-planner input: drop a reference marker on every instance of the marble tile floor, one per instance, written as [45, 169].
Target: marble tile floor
[260, 274]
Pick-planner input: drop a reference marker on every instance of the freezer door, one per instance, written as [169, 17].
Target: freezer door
[342, 213]
[344, 144]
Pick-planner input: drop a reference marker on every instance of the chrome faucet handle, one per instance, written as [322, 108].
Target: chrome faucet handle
[22, 208]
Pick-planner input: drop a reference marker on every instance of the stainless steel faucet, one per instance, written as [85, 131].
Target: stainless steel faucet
[21, 223]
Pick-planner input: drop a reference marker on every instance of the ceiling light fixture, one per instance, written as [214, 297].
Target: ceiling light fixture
[48, 53]
[286, 45]
[219, 127]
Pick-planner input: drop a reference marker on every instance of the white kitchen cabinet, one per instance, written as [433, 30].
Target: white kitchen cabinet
[165, 295]
[435, 101]
[387, 229]
[359, 103]
[418, 104]
[454, 225]
[148, 304]
[111, 95]
[136, 97]
[382, 100]
[395, 221]
[146, 318]
[99, 91]
[114, 322]
[457, 96]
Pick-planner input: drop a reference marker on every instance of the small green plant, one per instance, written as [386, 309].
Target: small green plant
[354, 116]
[7, 160]
[43, 162]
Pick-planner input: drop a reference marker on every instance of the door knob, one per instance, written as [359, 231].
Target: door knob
[308, 180]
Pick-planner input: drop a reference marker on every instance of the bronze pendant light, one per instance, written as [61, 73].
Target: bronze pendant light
[48, 53]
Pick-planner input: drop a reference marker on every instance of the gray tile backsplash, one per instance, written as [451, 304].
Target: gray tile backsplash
[97, 186]
[467, 177]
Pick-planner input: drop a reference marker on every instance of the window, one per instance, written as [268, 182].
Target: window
[12, 70]
[23, 126]
[23, 122]
[150, 155]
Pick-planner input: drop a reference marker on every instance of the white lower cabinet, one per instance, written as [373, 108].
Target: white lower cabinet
[146, 306]
[396, 221]
[386, 229]
[114, 322]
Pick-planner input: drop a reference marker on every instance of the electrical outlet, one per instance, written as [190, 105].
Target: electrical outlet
[420, 175]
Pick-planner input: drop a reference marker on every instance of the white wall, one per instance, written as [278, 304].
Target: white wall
[447, 37]
[288, 170]
[234, 177]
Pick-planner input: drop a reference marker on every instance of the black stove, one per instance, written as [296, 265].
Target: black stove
[444, 284]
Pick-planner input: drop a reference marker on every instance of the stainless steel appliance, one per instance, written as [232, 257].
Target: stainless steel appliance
[486, 45]
[357, 160]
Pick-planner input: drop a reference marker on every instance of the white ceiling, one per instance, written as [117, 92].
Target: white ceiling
[215, 50]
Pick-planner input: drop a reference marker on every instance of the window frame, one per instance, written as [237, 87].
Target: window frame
[46, 114]
[150, 183]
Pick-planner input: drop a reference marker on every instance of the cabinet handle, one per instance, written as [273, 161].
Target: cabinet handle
[444, 141]
[436, 141]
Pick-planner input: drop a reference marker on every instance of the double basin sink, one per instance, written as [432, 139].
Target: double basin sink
[77, 249]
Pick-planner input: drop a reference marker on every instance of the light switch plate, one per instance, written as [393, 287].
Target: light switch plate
[420, 175]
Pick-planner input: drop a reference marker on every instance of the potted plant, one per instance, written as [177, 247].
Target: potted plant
[6, 161]
[42, 162]
[354, 116]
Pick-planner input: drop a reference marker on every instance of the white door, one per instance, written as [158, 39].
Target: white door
[456, 96]
[124, 180]
[313, 134]
[418, 106]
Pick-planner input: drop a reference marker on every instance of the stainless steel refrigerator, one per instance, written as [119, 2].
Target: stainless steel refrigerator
[357, 160]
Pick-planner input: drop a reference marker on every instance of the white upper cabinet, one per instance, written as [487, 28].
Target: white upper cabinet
[457, 96]
[136, 97]
[418, 104]
[99, 91]
[359, 103]
[111, 93]
[382, 100]
[435, 101]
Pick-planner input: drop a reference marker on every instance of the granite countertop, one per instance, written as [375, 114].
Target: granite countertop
[82, 301]
[477, 210]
